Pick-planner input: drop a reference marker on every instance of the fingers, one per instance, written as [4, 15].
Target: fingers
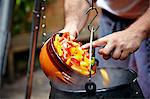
[87, 45]
[104, 55]
[100, 42]
[124, 55]
[111, 49]
[107, 49]
[117, 53]
[73, 32]
[96, 43]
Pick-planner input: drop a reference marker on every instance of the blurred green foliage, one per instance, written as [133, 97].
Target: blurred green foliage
[22, 14]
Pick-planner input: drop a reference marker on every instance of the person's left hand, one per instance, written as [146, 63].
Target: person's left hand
[118, 45]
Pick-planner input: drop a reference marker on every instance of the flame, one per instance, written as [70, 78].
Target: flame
[105, 77]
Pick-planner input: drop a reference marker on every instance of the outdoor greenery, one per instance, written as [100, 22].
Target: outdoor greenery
[22, 16]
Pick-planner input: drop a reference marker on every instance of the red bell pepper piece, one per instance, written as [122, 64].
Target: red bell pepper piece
[75, 61]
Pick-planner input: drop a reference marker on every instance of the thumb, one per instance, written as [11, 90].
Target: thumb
[87, 45]
[72, 37]
[73, 32]
[97, 43]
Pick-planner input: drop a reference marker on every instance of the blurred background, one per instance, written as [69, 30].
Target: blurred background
[15, 31]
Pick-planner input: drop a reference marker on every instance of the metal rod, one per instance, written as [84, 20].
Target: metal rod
[92, 20]
[6, 9]
[33, 44]
[90, 58]
[92, 30]
[92, 4]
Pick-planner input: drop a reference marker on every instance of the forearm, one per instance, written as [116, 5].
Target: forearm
[75, 17]
[142, 25]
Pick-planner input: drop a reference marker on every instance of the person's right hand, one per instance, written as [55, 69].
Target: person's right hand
[118, 45]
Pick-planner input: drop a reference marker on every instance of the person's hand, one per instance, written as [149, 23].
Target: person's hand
[72, 30]
[118, 45]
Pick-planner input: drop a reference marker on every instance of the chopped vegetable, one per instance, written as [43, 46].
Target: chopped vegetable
[73, 55]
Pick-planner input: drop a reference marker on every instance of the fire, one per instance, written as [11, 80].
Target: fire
[105, 77]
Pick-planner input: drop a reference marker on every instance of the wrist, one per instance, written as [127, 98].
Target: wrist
[72, 29]
[139, 32]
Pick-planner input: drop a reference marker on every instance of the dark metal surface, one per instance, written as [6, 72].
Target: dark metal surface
[33, 43]
[117, 76]
[123, 84]
[90, 88]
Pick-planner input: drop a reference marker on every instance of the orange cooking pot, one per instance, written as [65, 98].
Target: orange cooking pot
[54, 67]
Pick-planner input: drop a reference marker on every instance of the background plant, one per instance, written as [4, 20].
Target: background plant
[22, 16]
